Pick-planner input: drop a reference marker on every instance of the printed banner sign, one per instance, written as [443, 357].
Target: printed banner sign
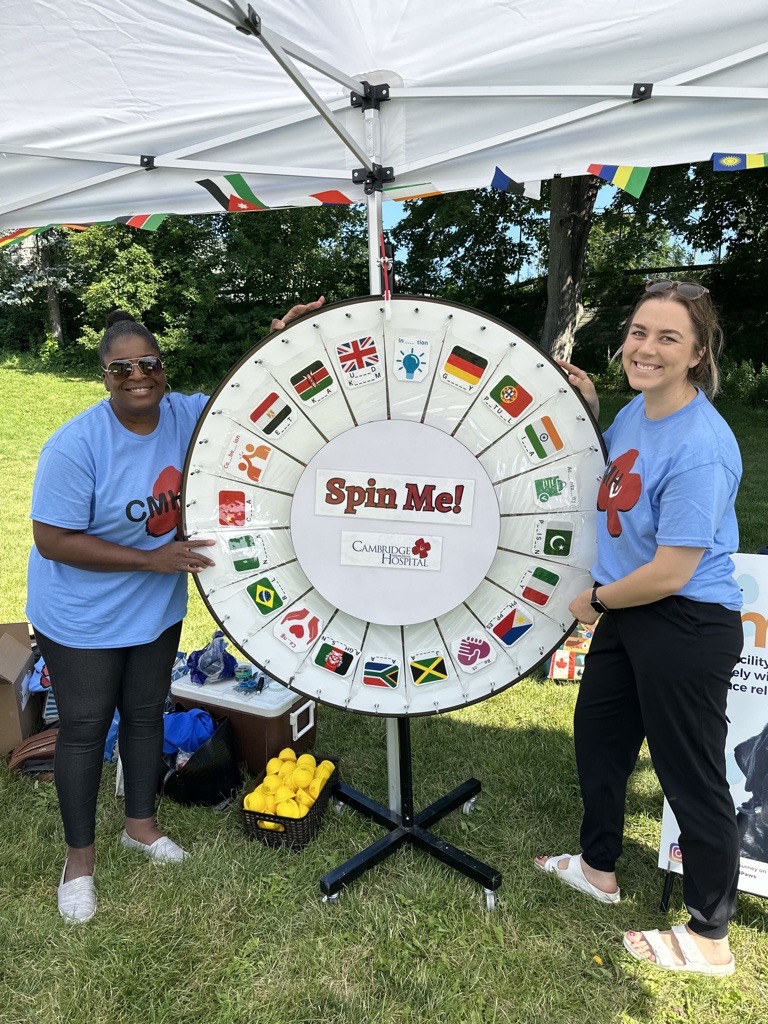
[746, 745]
[391, 550]
[385, 496]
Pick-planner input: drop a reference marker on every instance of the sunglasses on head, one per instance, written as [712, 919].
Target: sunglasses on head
[150, 366]
[687, 289]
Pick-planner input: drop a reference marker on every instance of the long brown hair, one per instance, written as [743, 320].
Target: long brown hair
[706, 325]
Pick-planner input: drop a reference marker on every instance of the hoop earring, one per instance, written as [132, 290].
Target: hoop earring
[168, 388]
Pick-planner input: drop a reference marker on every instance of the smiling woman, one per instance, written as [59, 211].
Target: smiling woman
[669, 630]
[106, 527]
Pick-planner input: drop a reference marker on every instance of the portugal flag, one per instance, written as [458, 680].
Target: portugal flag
[233, 193]
[511, 396]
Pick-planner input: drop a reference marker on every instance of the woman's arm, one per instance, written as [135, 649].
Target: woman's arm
[78, 549]
[667, 573]
[581, 381]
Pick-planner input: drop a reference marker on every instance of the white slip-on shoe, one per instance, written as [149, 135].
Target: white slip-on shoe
[77, 898]
[573, 875]
[162, 851]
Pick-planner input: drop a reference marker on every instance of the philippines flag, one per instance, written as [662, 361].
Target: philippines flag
[512, 626]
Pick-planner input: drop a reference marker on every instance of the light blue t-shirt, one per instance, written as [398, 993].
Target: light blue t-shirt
[671, 482]
[97, 476]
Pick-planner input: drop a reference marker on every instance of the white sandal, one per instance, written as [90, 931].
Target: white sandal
[695, 961]
[573, 875]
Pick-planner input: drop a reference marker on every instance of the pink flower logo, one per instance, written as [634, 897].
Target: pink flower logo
[421, 548]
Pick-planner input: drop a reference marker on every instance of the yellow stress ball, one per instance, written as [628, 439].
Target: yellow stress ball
[284, 793]
[303, 810]
[271, 826]
[255, 801]
[316, 786]
[302, 777]
[270, 805]
[303, 799]
[328, 766]
[274, 764]
[307, 761]
[287, 768]
[272, 783]
[288, 809]
[287, 754]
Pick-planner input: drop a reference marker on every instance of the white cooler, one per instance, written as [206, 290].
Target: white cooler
[262, 723]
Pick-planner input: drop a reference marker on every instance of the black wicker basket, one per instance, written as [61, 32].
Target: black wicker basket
[296, 832]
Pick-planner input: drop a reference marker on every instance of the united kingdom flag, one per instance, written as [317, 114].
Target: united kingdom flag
[358, 354]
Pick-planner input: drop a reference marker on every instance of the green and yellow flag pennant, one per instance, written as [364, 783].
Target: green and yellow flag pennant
[233, 193]
[20, 234]
[630, 179]
[738, 161]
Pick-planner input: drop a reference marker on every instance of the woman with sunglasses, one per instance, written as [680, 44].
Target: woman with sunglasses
[669, 630]
[107, 590]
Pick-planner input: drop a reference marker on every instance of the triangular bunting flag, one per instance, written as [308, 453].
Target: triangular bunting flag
[738, 161]
[233, 193]
[630, 179]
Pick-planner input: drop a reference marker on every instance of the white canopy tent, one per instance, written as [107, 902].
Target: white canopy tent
[113, 108]
[117, 108]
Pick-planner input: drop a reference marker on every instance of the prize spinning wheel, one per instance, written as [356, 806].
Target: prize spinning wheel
[402, 497]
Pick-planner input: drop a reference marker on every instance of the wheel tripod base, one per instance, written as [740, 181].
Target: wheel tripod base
[416, 833]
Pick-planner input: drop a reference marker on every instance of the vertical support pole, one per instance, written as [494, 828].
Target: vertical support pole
[406, 771]
[373, 209]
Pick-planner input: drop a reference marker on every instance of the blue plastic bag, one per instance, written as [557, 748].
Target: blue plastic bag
[214, 662]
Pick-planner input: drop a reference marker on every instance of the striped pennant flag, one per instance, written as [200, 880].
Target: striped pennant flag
[144, 221]
[19, 234]
[630, 179]
[233, 193]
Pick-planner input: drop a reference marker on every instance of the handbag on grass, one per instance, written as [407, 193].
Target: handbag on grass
[210, 776]
[35, 754]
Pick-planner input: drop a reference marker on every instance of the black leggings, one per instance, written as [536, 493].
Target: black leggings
[88, 685]
[662, 671]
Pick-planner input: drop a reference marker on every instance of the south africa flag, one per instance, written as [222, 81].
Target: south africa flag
[381, 672]
[265, 596]
[233, 193]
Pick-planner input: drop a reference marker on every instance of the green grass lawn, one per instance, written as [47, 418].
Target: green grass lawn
[238, 934]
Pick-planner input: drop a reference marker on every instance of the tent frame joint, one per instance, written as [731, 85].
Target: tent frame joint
[147, 162]
[372, 180]
[254, 21]
[641, 91]
[372, 96]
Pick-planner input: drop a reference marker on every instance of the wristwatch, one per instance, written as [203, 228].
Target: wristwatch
[595, 601]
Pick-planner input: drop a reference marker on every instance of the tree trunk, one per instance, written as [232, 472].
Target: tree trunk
[570, 218]
[51, 294]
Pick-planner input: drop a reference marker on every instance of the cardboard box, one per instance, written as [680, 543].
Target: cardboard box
[19, 709]
[262, 723]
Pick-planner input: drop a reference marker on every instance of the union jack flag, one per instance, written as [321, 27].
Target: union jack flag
[358, 354]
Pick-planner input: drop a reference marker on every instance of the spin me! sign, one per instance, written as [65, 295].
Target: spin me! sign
[385, 496]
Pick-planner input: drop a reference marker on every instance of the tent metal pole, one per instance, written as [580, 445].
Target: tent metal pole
[374, 217]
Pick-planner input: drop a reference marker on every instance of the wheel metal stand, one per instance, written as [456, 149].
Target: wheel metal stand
[407, 827]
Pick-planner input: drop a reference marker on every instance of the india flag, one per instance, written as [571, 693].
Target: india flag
[541, 439]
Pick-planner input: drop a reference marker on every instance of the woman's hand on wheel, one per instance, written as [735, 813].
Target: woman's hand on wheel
[181, 556]
[295, 312]
[581, 381]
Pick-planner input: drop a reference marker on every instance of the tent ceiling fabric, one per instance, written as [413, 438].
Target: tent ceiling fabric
[89, 86]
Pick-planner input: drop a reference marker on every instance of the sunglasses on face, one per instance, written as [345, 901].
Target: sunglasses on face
[119, 369]
[687, 289]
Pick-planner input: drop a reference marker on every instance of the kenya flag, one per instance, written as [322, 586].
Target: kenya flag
[233, 193]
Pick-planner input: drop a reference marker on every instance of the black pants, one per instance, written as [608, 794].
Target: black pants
[88, 685]
[662, 671]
